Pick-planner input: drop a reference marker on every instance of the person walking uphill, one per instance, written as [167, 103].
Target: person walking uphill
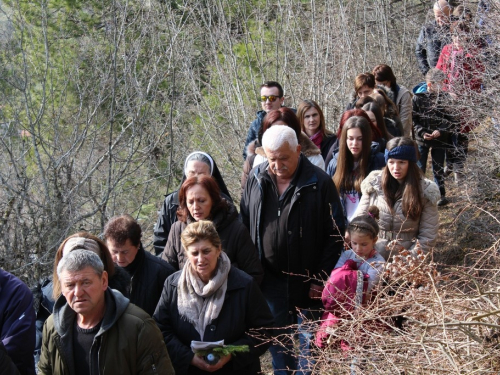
[434, 124]
[289, 207]
[271, 98]
[433, 37]
[95, 330]
[148, 273]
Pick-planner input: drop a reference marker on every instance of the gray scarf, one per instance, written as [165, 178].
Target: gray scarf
[201, 303]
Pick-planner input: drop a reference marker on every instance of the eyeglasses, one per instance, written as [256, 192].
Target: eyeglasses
[271, 98]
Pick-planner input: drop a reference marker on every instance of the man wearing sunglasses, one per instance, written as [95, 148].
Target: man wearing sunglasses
[271, 98]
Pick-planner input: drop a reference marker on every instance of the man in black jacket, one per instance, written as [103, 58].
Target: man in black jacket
[434, 123]
[148, 273]
[433, 37]
[294, 216]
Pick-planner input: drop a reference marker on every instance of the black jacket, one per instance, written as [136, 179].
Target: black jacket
[314, 242]
[430, 42]
[147, 282]
[433, 112]
[236, 243]
[326, 144]
[244, 309]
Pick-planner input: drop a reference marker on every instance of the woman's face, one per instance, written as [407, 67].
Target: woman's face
[355, 142]
[311, 121]
[197, 168]
[398, 168]
[365, 91]
[203, 258]
[198, 202]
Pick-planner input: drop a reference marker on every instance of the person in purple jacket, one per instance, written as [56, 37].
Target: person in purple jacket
[17, 325]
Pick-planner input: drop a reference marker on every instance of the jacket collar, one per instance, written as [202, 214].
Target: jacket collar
[305, 174]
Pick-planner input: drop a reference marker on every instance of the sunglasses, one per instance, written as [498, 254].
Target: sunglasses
[271, 98]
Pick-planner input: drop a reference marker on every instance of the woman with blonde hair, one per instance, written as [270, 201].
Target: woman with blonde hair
[209, 300]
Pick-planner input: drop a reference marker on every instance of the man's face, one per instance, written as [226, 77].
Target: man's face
[284, 161]
[268, 105]
[84, 290]
[442, 16]
[123, 254]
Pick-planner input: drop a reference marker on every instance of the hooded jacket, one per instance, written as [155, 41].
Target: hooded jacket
[128, 341]
[244, 309]
[394, 225]
[236, 243]
[44, 301]
[313, 239]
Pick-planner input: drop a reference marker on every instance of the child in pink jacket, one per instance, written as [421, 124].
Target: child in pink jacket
[355, 274]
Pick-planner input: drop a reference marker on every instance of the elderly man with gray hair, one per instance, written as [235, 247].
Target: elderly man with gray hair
[96, 330]
[433, 37]
[294, 216]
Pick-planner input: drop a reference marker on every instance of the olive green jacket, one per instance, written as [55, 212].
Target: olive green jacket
[128, 342]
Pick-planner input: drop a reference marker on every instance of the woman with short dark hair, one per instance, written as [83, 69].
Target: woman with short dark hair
[400, 95]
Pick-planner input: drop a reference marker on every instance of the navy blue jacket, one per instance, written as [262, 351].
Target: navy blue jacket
[253, 131]
[17, 322]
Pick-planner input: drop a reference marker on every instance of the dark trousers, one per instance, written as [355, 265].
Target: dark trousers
[437, 157]
[456, 155]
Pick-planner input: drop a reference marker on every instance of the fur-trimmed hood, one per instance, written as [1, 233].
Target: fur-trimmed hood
[373, 183]
[308, 148]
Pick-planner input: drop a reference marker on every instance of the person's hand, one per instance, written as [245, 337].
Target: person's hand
[315, 291]
[199, 362]
[435, 134]
[428, 136]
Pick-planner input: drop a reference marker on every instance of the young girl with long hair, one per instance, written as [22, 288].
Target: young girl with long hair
[407, 201]
[354, 161]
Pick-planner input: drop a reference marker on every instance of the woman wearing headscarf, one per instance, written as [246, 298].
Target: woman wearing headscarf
[197, 163]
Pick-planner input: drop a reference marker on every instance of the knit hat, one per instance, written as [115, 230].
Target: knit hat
[401, 152]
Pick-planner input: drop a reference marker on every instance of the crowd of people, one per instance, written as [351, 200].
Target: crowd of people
[320, 213]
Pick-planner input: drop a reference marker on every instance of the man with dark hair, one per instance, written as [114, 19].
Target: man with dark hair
[271, 98]
[148, 273]
[95, 329]
[17, 326]
[294, 216]
[433, 37]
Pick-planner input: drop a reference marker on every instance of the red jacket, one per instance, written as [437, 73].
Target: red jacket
[463, 69]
